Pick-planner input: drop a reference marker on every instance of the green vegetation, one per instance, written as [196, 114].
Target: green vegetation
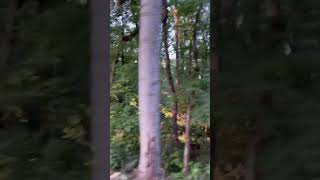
[268, 89]
[44, 97]
[192, 71]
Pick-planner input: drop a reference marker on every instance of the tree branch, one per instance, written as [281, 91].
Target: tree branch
[130, 36]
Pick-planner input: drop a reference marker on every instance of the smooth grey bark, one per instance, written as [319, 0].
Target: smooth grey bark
[187, 148]
[100, 93]
[149, 89]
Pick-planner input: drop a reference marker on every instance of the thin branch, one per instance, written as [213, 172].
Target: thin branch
[130, 36]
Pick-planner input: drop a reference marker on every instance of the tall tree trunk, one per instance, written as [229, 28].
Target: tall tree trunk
[194, 40]
[215, 28]
[189, 63]
[6, 37]
[100, 93]
[149, 90]
[193, 57]
[112, 5]
[113, 70]
[172, 89]
[177, 37]
[187, 147]
[193, 53]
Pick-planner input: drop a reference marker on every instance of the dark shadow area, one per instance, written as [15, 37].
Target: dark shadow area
[267, 89]
[44, 90]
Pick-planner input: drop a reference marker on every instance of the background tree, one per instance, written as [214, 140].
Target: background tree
[172, 86]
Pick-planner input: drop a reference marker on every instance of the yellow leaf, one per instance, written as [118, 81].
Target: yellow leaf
[182, 138]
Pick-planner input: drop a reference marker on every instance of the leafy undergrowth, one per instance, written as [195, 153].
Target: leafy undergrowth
[198, 172]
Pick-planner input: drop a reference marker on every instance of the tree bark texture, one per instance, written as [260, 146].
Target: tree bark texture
[149, 89]
[187, 148]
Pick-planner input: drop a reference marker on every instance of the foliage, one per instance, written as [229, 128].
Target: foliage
[198, 171]
[269, 56]
[44, 95]
[124, 89]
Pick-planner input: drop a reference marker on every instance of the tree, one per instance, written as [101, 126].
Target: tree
[100, 91]
[149, 89]
[169, 76]
[186, 154]
[174, 96]
[177, 37]
[194, 55]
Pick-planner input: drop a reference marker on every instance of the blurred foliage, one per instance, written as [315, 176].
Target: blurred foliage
[269, 58]
[44, 94]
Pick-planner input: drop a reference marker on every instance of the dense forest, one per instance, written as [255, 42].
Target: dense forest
[267, 89]
[44, 90]
[45, 118]
[257, 60]
[184, 92]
